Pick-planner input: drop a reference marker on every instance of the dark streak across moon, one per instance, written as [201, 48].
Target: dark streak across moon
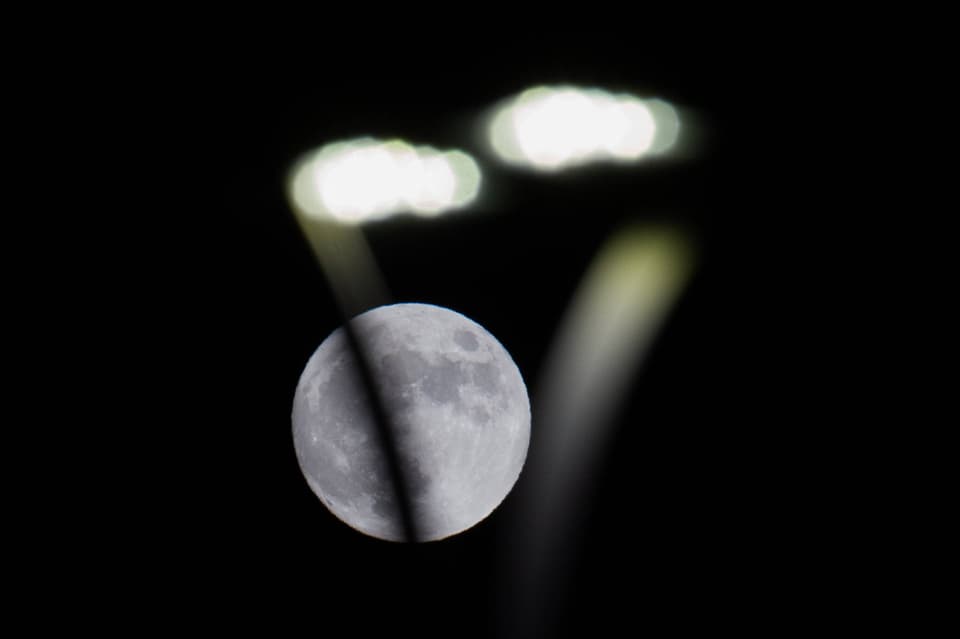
[385, 429]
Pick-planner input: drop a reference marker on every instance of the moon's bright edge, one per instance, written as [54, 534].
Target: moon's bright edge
[458, 406]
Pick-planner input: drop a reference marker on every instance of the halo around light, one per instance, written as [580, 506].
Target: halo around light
[552, 128]
[366, 179]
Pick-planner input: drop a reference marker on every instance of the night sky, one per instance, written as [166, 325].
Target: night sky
[679, 528]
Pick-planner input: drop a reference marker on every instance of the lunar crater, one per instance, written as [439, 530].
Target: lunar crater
[466, 340]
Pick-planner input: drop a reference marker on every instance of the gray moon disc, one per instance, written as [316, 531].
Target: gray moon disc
[457, 406]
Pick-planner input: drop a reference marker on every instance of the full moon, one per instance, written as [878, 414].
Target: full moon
[459, 414]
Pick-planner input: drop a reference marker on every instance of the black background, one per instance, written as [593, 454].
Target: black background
[686, 528]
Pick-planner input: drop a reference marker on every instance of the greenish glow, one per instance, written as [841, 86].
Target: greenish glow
[467, 175]
[668, 126]
[357, 181]
[614, 317]
[622, 300]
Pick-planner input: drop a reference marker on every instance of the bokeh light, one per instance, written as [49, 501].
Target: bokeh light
[366, 179]
[552, 128]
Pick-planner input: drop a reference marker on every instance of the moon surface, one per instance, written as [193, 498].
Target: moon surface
[457, 406]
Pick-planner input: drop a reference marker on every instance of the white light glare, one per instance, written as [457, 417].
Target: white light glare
[551, 128]
[362, 180]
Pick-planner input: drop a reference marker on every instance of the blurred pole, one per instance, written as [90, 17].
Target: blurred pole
[347, 263]
[351, 270]
[614, 317]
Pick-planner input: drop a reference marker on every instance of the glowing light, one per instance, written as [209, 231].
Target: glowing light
[362, 180]
[551, 128]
